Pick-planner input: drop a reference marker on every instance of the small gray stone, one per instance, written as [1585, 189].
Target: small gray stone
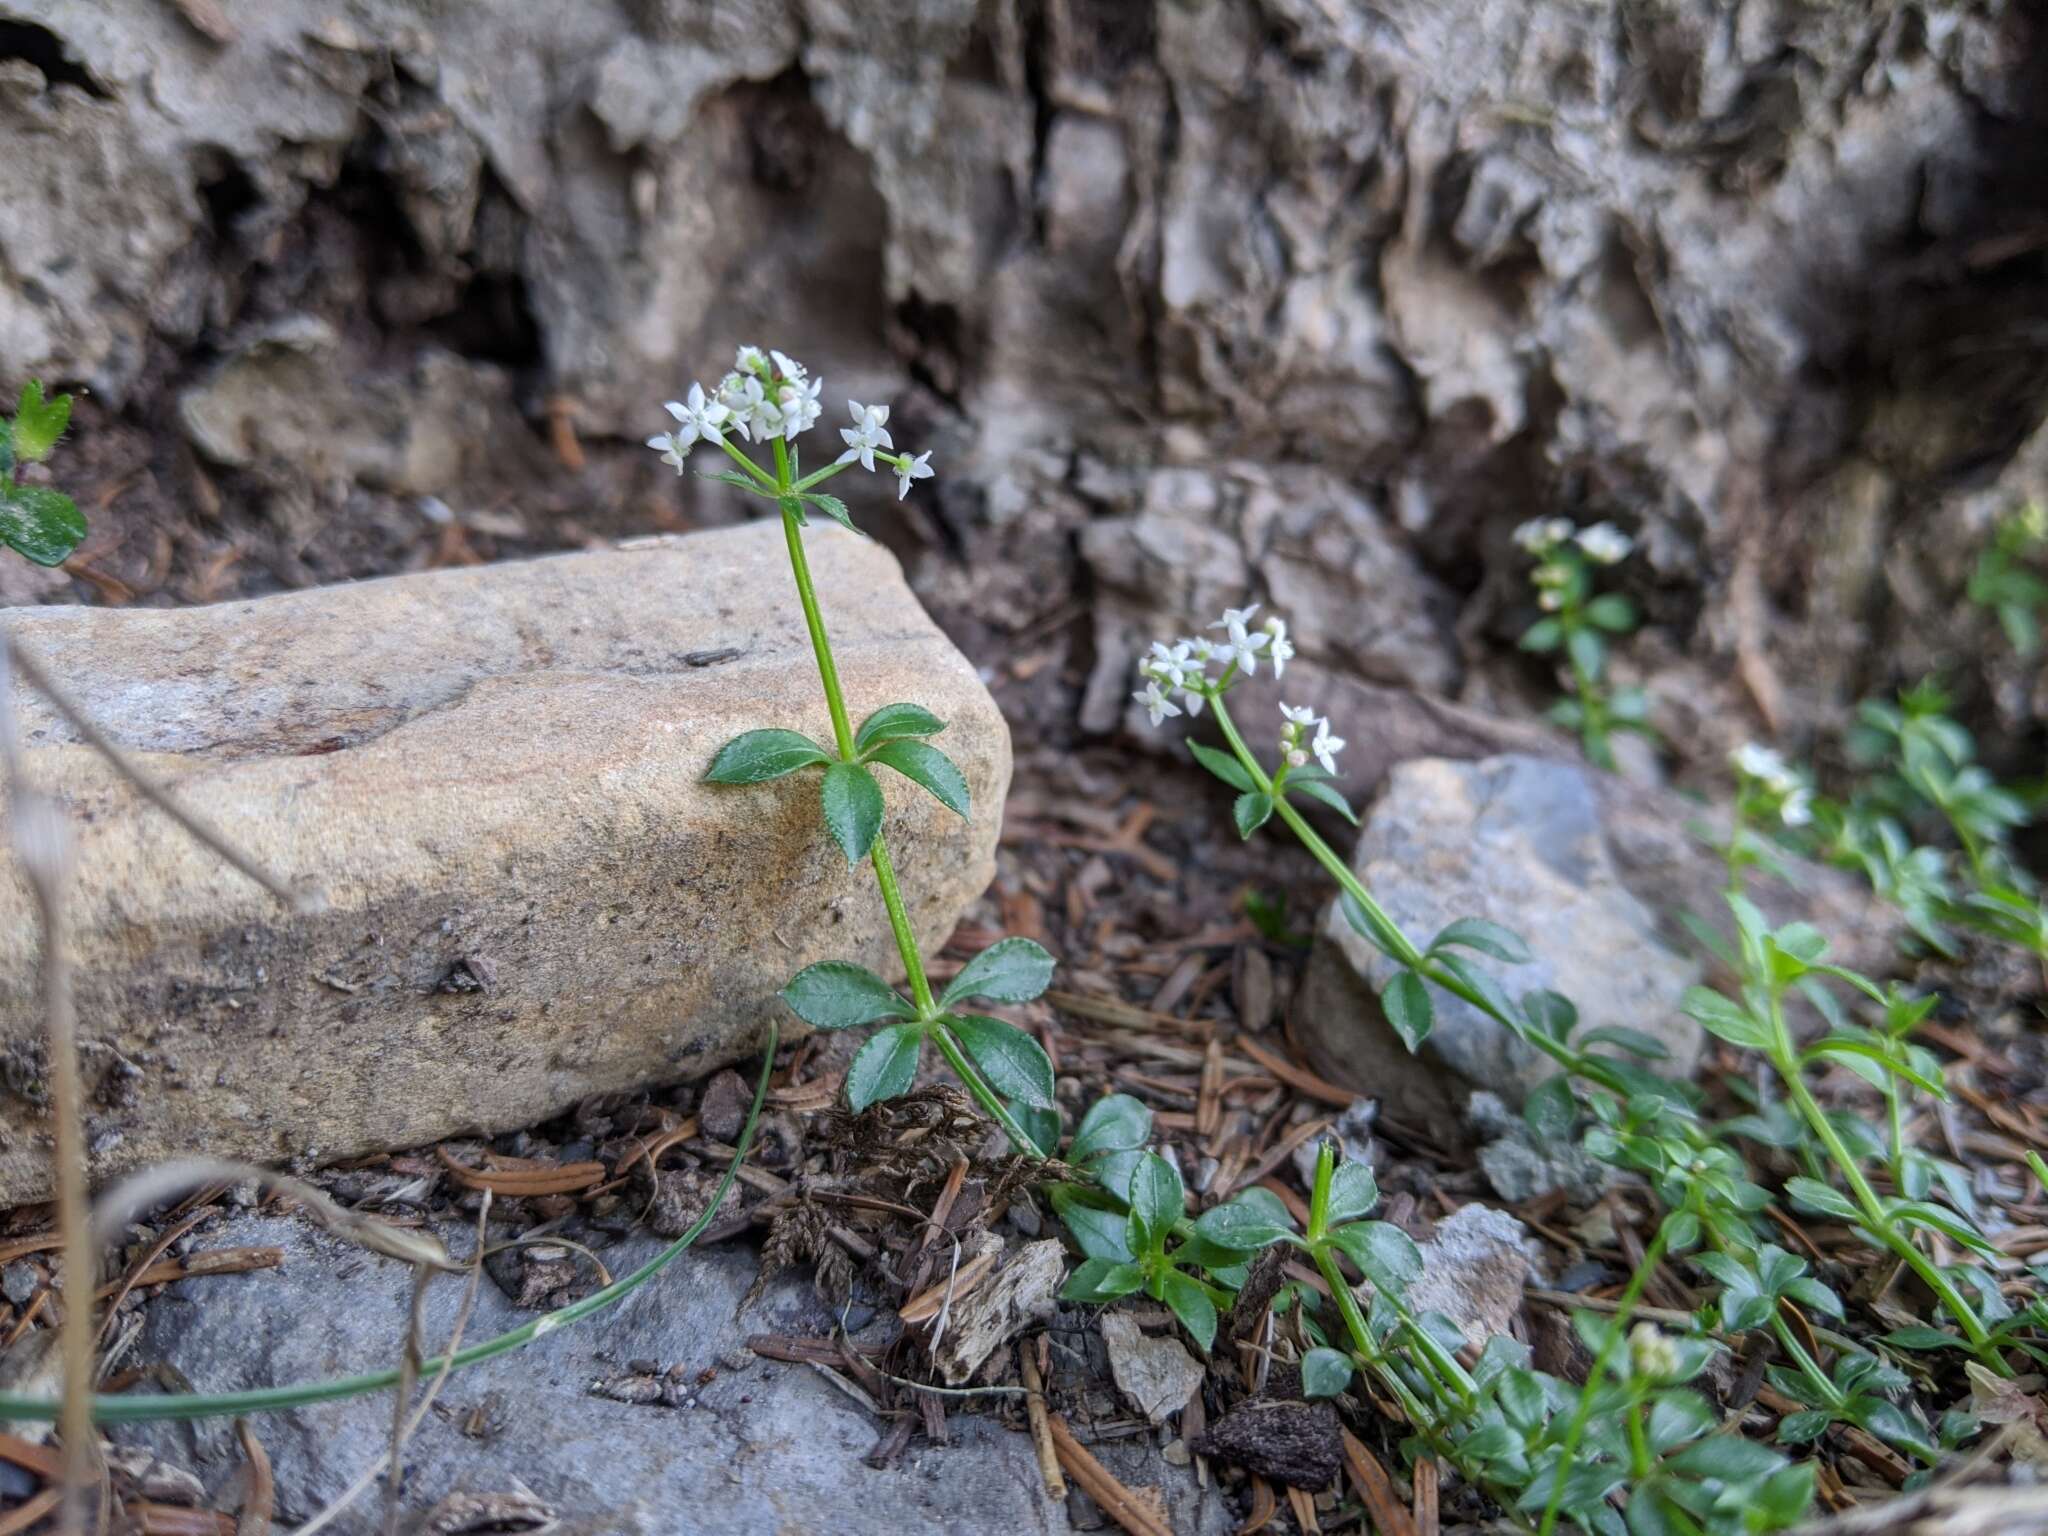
[1518, 841]
[1473, 1271]
[18, 1281]
[1520, 1165]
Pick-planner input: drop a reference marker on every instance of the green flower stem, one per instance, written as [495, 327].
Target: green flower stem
[1406, 953]
[1808, 1366]
[1784, 1057]
[748, 464]
[878, 852]
[136, 1410]
[820, 476]
[1623, 1310]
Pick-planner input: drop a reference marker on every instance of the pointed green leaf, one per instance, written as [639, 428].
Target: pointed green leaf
[1813, 1195]
[833, 508]
[1191, 1304]
[1405, 1002]
[1634, 1041]
[1613, 613]
[1008, 971]
[1223, 765]
[837, 994]
[1724, 1018]
[1353, 1192]
[885, 1067]
[1158, 1200]
[894, 720]
[1014, 1063]
[1116, 1122]
[41, 524]
[762, 755]
[1099, 1232]
[6, 447]
[1317, 790]
[1102, 1280]
[852, 802]
[1380, 933]
[1041, 1125]
[1384, 1254]
[1251, 811]
[1243, 1226]
[1488, 938]
[924, 764]
[38, 423]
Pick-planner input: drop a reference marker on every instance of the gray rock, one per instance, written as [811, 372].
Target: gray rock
[1155, 1372]
[1473, 1271]
[762, 1447]
[495, 775]
[1520, 1165]
[1518, 841]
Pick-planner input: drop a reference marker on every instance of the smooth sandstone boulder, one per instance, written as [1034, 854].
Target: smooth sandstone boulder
[495, 777]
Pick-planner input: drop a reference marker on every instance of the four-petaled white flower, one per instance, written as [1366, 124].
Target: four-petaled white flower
[1172, 665]
[919, 468]
[1244, 645]
[1281, 649]
[867, 433]
[1299, 714]
[1326, 746]
[671, 451]
[799, 404]
[753, 413]
[787, 366]
[1157, 704]
[1764, 765]
[1543, 533]
[1797, 810]
[749, 360]
[1605, 544]
[699, 417]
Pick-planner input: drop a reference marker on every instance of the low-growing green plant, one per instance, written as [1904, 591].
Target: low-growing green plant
[36, 522]
[2006, 582]
[1577, 620]
[768, 401]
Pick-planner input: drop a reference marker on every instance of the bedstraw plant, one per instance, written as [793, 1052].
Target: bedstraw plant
[1577, 620]
[768, 401]
[36, 522]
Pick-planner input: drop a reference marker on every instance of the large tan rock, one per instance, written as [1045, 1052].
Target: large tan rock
[495, 775]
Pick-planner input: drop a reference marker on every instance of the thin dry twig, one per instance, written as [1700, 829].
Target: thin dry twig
[1041, 1430]
[259, 1504]
[1101, 1485]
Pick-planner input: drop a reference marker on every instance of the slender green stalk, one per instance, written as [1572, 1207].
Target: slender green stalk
[1623, 1310]
[878, 851]
[136, 1410]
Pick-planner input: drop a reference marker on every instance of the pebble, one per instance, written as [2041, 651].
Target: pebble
[18, 1282]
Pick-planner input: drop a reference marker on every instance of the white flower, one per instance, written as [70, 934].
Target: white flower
[1194, 699]
[671, 451]
[919, 468]
[1797, 810]
[1296, 758]
[1281, 649]
[1157, 704]
[1326, 746]
[1653, 1355]
[1172, 665]
[749, 360]
[1299, 714]
[1550, 600]
[1761, 763]
[1244, 646]
[699, 417]
[1543, 533]
[1605, 544]
[752, 412]
[865, 435]
[799, 405]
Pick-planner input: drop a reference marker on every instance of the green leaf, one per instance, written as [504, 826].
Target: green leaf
[1242, 1226]
[1328, 796]
[833, 508]
[1353, 1193]
[40, 524]
[1552, 1109]
[852, 803]
[1377, 931]
[1102, 1280]
[1520, 1396]
[6, 447]
[1542, 637]
[1041, 1125]
[1098, 1232]
[1728, 1457]
[745, 483]
[1725, 1019]
[1488, 938]
[894, 720]
[1491, 997]
[924, 764]
[39, 423]
[1587, 651]
[1157, 1202]
[1800, 1428]
[1223, 765]
[885, 1067]
[1011, 1060]
[761, 755]
[1634, 1041]
[1405, 1002]
[1116, 1122]
[1551, 1012]
[1008, 971]
[837, 994]
[1613, 613]
[1325, 1372]
[1384, 1254]
[1251, 811]
[1191, 1304]
[1924, 1338]
[1812, 1195]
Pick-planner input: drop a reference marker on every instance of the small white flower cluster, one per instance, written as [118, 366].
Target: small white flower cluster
[769, 395]
[1653, 1355]
[1183, 667]
[1603, 543]
[1296, 744]
[1753, 760]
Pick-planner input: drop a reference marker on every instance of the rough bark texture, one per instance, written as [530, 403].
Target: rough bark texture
[496, 778]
